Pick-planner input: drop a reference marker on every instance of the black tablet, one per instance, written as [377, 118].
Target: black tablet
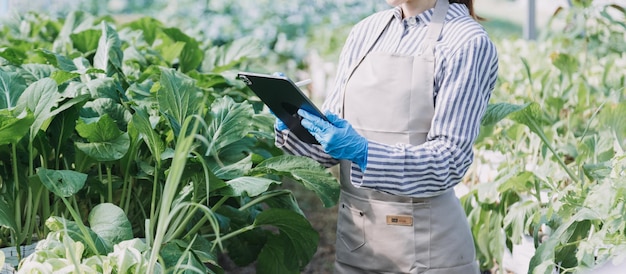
[284, 98]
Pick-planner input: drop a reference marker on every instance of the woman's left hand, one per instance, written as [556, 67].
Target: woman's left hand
[336, 136]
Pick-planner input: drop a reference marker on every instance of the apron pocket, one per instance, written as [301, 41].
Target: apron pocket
[390, 237]
[351, 230]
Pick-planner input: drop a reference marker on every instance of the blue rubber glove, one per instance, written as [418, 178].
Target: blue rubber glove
[337, 138]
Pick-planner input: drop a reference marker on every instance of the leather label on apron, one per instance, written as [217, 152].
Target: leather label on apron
[399, 220]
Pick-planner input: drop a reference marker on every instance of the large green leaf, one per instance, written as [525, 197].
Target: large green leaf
[176, 257]
[219, 59]
[109, 54]
[106, 106]
[35, 72]
[73, 230]
[87, 40]
[245, 248]
[283, 199]
[148, 26]
[14, 55]
[202, 248]
[61, 128]
[598, 171]
[7, 213]
[498, 111]
[57, 60]
[191, 56]
[12, 128]
[531, 116]
[292, 248]
[76, 21]
[273, 257]
[231, 122]
[234, 170]
[517, 218]
[170, 52]
[516, 182]
[99, 129]
[613, 118]
[11, 88]
[40, 97]
[252, 186]
[306, 171]
[205, 183]
[110, 223]
[63, 183]
[61, 76]
[104, 88]
[566, 63]
[177, 95]
[148, 134]
[244, 148]
[106, 141]
[547, 251]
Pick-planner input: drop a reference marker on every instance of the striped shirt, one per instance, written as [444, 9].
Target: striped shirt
[466, 66]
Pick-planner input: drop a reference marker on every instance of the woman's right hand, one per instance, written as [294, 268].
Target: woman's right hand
[278, 124]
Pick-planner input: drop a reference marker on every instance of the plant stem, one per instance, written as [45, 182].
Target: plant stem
[537, 191]
[197, 226]
[31, 169]
[101, 181]
[126, 203]
[183, 147]
[153, 203]
[45, 207]
[219, 203]
[263, 198]
[75, 204]
[35, 207]
[181, 226]
[124, 193]
[543, 138]
[28, 236]
[128, 180]
[110, 182]
[238, 231]
[81, 226]
[18, 202]
[46, 198]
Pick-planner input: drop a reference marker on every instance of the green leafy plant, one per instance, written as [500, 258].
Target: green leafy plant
[147, 119]
[63, 248]
[553, 136]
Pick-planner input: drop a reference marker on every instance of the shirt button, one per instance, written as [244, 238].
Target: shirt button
[412, 21]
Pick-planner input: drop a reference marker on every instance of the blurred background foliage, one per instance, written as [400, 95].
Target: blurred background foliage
[301, 38]
[528, 182]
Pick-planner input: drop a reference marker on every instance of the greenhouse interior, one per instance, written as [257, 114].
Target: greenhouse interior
[130, 144]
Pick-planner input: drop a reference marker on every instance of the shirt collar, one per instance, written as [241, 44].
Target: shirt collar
[455, 10]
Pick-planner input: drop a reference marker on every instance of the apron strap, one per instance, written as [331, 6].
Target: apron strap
[435, 26]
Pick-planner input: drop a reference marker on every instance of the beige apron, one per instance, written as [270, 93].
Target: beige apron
[389, 99]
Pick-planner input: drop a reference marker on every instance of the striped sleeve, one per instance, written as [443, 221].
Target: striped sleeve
[293, 145]
[441, 162]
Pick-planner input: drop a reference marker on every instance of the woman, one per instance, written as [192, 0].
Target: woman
[412, 85]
